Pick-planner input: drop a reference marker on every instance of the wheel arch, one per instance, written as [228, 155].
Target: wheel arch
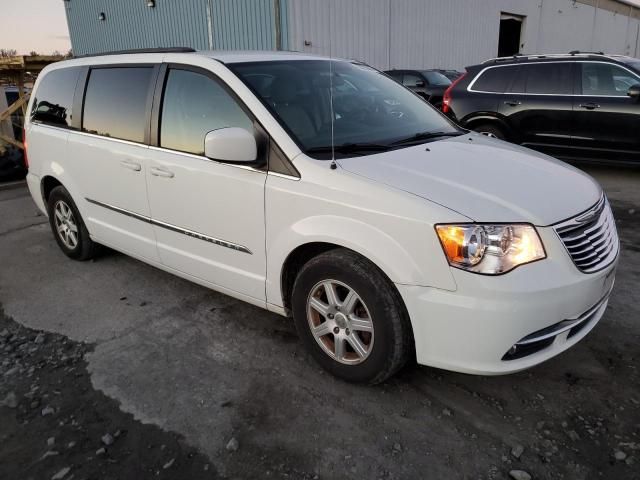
[47, 184]
[294, 247]
[478, 119]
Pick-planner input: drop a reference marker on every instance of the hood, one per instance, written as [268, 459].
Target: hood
[484, 179]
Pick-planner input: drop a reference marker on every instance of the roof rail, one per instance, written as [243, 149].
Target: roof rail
[141, 50]
[578, 52]
[520, 57]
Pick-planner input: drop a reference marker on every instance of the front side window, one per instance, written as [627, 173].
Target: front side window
[606, 79]
[338, 107]
[115, 103]
[194, 105]
[544, 78]
[53, 102]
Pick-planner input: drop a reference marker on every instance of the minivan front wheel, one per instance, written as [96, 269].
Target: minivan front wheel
[68, 227]
[350, 317]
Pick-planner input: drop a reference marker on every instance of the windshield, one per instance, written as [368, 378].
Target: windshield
[634, 63]
[437, 79]
[371, 112]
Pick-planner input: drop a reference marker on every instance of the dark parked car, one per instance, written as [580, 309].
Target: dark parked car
[581, 106]
[429, 84]
[450, 74]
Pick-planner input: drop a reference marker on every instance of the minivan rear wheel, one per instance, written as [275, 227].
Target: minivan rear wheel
[350, 317]
[490, 130]
[68, 227]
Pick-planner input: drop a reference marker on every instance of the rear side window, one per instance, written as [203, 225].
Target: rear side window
[494, 80]
[54, 98]
[115, 103]
[193, 105]
[547, 78]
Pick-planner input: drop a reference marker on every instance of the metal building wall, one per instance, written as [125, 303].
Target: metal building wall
[456, 33]
[131, 24]
[201, 24]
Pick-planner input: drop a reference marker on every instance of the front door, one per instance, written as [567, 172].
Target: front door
[208, 216]
[606, 120]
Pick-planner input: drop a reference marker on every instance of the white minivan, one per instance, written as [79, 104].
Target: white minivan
[324, 190]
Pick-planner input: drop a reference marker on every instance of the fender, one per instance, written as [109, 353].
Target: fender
[374, 244]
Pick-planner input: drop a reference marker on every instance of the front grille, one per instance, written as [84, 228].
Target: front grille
[591, 237]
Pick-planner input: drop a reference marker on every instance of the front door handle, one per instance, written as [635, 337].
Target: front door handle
[513, 103]
[136, 167]
[161, 172]
[589, 106]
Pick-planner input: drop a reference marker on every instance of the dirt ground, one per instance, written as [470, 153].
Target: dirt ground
[173, 371]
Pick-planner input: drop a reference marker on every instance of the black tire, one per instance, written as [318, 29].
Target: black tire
[490, 130]
[84, 248]
[391, 343]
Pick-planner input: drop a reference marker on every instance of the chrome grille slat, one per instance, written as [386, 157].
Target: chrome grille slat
[598, 246]
[591, 238]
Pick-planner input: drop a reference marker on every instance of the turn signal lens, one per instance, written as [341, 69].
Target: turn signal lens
[490, 249]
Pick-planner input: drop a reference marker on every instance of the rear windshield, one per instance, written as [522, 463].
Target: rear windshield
[437, 79]
[366, 106]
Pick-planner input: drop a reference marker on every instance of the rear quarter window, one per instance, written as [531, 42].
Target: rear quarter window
[494, 79]
[53, 102]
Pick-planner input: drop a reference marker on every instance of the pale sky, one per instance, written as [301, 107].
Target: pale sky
[34, 25]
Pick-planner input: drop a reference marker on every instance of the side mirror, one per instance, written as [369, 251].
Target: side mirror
[231, 144]
[634, 91]
[419, 83]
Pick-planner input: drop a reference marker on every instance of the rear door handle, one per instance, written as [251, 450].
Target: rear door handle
[513, 103]
[589, 106]
[161, 172]
[136, 167]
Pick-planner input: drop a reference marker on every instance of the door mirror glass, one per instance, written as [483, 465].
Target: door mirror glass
[634, 91]
[232, 144]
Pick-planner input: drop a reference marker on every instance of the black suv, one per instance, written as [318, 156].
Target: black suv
[429, 84]
[582, 106]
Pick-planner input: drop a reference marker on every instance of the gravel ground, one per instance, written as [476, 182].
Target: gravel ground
[165, 362]
[55, 425]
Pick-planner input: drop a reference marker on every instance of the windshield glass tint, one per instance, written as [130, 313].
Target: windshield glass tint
[635, 64]
[368, 107]
[437, 79]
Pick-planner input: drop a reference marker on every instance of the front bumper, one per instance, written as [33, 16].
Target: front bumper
[542, 308]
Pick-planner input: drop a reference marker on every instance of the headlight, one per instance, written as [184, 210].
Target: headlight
[490, 249]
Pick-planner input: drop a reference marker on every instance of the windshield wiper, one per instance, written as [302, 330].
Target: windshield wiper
[418, 137]
[351, 148]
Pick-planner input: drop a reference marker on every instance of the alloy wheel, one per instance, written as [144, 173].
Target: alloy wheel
[340, 322]
[66, 225]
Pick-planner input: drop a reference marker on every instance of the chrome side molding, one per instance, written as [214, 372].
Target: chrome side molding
[174, 228]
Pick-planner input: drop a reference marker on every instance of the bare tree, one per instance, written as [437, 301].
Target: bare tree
[33, 53]
[7, 52]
